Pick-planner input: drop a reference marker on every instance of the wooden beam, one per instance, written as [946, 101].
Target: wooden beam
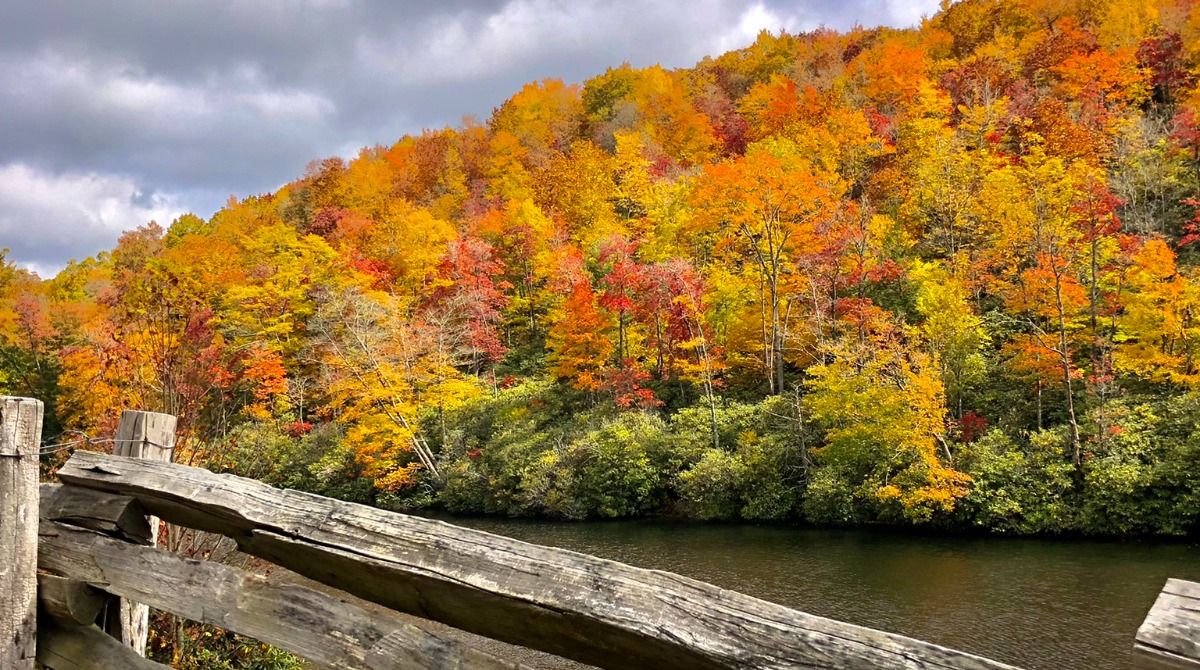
[70, 602]
[86, 648]
[593, 610]
[20, 440]
[149, 435]
[116, 515]
[329, 630]
[1169, 638]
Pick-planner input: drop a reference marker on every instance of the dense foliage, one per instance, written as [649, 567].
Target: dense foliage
[941, 276]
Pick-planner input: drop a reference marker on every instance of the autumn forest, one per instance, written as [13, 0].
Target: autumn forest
[941, 277]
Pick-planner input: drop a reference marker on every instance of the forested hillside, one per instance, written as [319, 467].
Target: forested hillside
[942, 276]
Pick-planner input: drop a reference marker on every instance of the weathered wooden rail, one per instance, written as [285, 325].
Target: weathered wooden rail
[1169, 639]
[94, 544]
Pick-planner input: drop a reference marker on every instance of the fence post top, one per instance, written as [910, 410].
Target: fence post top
[20, 426]
[147, 413]
[18, 399]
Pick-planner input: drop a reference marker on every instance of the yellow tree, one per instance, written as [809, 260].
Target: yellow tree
[578, 189]
[270, 308]
[381, 369]
[1158, 337]
[950, 329]
[770, 209]
[1039, 252]
[508, 178]
[402, 246]
[883, 406]
[544, 117]
[945, 170]
[652, 101]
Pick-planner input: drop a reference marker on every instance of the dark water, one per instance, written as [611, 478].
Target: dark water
[1044, 604]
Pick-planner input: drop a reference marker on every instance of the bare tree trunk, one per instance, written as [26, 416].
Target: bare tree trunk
[1040, 422]
[709, 395]
[777, 336]
[766, 336]
[1064, 355]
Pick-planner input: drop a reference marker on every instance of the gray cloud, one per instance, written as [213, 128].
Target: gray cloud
[141, 109]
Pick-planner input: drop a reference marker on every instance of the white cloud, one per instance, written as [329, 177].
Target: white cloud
[455, 47]
[120, 90]
[909, 12]
[466, 47]
[46, 218]
[754, 20]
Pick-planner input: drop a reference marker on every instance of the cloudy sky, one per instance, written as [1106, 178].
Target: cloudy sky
[116, 113]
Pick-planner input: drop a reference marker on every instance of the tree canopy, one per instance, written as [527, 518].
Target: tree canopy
[920, 276]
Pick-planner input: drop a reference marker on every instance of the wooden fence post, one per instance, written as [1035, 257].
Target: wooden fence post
[148, 435]
[20, 440]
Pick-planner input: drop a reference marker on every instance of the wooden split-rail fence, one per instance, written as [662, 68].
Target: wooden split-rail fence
[79, 566]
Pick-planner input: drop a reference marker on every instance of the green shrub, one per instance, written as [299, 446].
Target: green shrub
[1144, 475]
[548, 488]
[756, 472]
[1020, 488]
[612, 473]
[465, 489]
[203, 647]
[829, 498]
[713, 487]
[771, 488]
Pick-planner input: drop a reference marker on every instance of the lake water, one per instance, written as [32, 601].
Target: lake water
[1039, 604]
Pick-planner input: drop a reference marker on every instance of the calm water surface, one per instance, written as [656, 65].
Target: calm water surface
[1039, 604]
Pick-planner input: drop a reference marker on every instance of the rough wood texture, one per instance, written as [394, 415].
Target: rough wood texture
[20, 439]
[324, 628]
[148, 435]
[1169, 638]
[524, 656]
[86, 648]
[119, 516]
[70, 602]
[582, 607]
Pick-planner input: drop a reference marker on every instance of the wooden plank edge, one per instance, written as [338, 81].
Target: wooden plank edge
[321, 627]
[70, 602]
[86, 648]
[112, 514]
[1149, 657]
[1182, 588]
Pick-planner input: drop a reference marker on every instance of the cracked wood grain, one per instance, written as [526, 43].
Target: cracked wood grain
[20, 438]
[328, 629]
[1169, 638]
